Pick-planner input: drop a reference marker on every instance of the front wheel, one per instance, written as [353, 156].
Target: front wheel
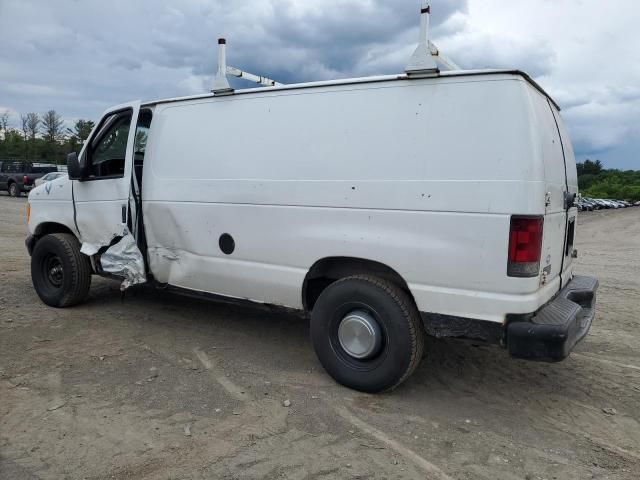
[367, 333]
[61, 275]
[14, 191]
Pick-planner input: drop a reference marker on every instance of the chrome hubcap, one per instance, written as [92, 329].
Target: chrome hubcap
[359, 334]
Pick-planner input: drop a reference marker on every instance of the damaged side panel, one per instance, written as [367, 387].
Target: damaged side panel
[124, 259]
[121, 258]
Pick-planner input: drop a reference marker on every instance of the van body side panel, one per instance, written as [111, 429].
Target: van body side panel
[420, 175]
[268, 266]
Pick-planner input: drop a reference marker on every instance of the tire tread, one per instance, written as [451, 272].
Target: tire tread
[80, 269]
[412, 316]
[410, 313]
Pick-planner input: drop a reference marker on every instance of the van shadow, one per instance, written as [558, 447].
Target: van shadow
[450, 368]
[457, 370]
[254, 331]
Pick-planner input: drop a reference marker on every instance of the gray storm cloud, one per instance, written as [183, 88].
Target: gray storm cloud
[80, 57]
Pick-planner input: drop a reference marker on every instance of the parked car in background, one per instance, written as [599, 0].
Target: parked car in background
[48, 177]
[19, 176]
[584, 206]
[591, 205]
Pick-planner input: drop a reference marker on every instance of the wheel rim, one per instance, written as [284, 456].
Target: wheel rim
[12, 190]
[53, 271]
[359, 334]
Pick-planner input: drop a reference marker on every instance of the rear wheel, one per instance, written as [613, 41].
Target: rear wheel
[61, 275]
[14, 191]
[367, 333]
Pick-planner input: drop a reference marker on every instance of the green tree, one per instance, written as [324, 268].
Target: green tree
[4, 124]
[78, 134]
[589, 167]
[53, 134]
[32, 128]
[598, 182]
[14, 144]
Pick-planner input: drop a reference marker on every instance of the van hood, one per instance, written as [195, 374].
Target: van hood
[58, 189]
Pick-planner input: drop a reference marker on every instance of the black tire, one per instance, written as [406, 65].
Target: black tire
[61, 275]
[14, 190]
[399, 322]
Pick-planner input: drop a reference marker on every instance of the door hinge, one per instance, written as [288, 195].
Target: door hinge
[569, 200]
[545, 274]
[547, 199]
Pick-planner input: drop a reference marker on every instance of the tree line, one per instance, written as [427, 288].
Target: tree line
[41, 137]
[597, 182]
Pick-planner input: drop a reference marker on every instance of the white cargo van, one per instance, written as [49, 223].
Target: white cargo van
[387, 208]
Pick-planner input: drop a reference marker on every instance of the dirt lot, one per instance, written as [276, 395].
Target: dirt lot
[160, 386]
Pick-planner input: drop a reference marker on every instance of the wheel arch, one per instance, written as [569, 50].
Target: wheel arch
[327, 270]
[46, 228]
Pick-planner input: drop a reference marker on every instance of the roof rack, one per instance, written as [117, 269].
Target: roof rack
[426, 56]
[221, 84]
[425, 61]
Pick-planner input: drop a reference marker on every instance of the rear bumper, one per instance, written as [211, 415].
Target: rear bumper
[550, 333]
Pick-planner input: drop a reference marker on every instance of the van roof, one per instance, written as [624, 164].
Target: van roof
[373, 79]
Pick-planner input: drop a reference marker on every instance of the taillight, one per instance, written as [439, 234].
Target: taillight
[25, 180]
[525, 245]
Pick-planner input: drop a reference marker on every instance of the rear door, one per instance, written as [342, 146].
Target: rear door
[552, 257]
[572, 192]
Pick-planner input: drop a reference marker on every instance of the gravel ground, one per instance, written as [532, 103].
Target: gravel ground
[159, 386]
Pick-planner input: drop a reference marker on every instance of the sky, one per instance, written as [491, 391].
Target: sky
[79, 57]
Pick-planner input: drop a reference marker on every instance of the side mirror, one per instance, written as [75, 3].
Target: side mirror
[74, 169]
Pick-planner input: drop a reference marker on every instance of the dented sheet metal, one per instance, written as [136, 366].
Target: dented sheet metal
[166, 253]
[124, 259]
[89, 249]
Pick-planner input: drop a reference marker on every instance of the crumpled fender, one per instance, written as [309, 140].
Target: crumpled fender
[123, 259]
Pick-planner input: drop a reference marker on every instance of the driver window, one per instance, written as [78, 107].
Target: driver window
[108, 150]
